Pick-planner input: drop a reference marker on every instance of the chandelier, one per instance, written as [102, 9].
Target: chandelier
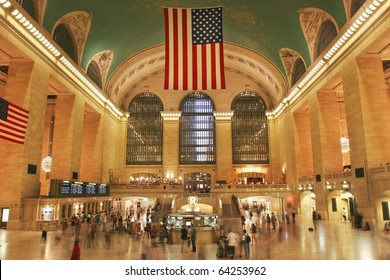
[46, 164]
[47, 161]
[344, 142]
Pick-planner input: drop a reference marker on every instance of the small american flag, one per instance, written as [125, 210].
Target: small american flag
[194, 58]
[13, 122]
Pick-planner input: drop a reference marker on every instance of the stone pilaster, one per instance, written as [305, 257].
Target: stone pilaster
[27, 86]
[329, 132]
[67, 139]
[367, 115]
[91, 157]
[171, 143]
[224, 155]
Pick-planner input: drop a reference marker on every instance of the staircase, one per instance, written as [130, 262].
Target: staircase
[231, 210]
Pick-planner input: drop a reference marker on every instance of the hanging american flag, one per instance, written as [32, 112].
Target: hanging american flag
[13, 122]
[194, 49]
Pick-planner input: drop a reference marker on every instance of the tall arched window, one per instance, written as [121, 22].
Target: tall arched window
[298, 70]
[93, 72]
[64, 38]
[249, 129]
[29, 7]
[197, 130]
[144, 130]
[326, 34]
[356, 5]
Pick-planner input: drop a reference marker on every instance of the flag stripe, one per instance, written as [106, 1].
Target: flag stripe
[12, 133]
[194, 67]
[213, 67]
[221, 71]
[193, 56]
[13, 122]
[175, 49]
[11, 139]
[204, 57]
[12, 127]
[167, 53]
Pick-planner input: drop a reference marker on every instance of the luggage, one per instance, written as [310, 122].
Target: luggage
[220, 253]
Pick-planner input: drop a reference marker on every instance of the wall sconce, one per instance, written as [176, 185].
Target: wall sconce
[310, 187]
[300, 187]
[345, 185]
[329, 186]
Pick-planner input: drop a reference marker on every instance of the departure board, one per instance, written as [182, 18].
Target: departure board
[60, 188]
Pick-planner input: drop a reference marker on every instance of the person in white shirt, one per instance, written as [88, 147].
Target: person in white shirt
[232, 239]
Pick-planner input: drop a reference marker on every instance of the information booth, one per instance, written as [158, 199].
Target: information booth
[205, 225]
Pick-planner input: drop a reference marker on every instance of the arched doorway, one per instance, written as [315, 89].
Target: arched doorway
[197, 182]
[340, 203]
[308, 203]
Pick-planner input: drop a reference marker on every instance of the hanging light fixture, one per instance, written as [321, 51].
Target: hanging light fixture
[344, 141]
[46, 163]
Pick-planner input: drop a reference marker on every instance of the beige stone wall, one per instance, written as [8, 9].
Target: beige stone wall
[26, 87]
[91, 156]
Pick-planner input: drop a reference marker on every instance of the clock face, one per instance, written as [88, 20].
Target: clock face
[192, 199]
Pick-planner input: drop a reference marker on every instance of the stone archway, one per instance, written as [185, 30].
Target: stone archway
[339, 203]
[307, 203]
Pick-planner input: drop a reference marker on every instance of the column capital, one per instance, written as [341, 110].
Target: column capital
[171, 115]
[227, 115]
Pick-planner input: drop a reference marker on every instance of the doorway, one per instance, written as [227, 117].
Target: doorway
[4, 217]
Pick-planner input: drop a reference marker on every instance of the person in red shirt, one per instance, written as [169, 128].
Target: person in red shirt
[75, 251]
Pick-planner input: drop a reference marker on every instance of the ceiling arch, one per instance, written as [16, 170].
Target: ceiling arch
[148, 64]
[128, 27]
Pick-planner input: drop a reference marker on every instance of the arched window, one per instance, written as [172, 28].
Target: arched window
[144, 130]
[298, 70]
[197, 130]
[93, 72]
[249, 129]
[64, 38]
[356, 5]
[326, 34]
[29, 7]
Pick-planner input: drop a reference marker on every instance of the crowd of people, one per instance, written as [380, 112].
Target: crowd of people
[89, 230]
[260, 228]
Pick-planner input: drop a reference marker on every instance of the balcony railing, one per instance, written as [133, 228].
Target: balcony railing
[215, 188]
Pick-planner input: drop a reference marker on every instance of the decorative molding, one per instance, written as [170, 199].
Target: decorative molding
[171, 115]
[219, 116]
[288, 58]
[311, 20]
[150, 63]
[104, 60]
[79, 24]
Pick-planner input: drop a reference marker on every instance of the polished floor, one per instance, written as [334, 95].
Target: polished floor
[331, 241]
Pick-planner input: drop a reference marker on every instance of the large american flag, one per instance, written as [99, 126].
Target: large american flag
[194, 49]
[13, 122]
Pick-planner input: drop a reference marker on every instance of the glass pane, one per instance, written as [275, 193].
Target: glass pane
[145, 130]
[64, 38]
[197, 130]
[249, 129]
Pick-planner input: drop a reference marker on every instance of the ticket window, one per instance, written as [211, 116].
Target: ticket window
[47, 213]
[188, 222]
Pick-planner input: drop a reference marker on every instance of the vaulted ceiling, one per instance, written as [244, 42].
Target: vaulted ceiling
[127, 38]
[129, 26]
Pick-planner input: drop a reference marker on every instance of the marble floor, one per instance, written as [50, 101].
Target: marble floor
[331, 241]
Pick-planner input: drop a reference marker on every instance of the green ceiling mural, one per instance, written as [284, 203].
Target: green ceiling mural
[129, 26]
